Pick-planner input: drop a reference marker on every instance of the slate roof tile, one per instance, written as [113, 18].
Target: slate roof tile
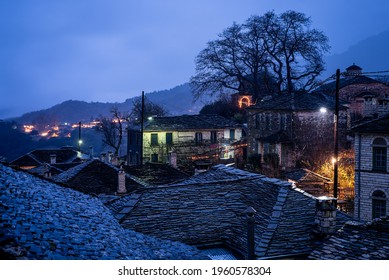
[188, 122]
[210, 208]
[357, 241]
[41, 220]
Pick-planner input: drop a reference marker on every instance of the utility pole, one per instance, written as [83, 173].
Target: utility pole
[336, 144]
[141, 127]
[79, 137]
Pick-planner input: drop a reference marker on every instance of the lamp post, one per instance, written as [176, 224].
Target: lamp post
[142, 116]
[336, 142]
[79, 137]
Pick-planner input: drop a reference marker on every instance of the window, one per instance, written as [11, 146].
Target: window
[169, 138]
[268, 121]
[154, 158]
[269, 148]
[378, 204]
[198, 138]
[257, 121]
[154, 139]
[213, 137]
[282, 122]
[379, 154]
[232, 134]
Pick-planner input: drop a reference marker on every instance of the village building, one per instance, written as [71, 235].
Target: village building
[367, 97]
[371, 169]
[183, 140]
[285, 129]
[98, 177]
[50, 162]
[214, 210]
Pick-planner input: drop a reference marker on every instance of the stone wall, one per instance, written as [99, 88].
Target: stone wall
[367, 180]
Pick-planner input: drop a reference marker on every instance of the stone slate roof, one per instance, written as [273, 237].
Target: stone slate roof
[329, 88]
[304, 175]
[97, 177]
[380, 125]
[189, 122]
[41, 220]
[357, 241]
[298, 101]
[156, 173]
[39, 157]
[209, 208]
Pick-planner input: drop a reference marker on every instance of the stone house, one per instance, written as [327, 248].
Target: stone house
[182, 140]
[50, 162]
[210, 210]
[367, 96]
[371, 169]
[99, 177]
[294, 127]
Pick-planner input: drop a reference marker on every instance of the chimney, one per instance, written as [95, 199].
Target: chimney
[110, 157]
[325, 218]
[103, 157]
[53, 159]
[173, 159]
[121, 181]
[250, 212]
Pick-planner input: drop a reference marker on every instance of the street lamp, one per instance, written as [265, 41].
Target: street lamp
[79, 137]
[336, 142]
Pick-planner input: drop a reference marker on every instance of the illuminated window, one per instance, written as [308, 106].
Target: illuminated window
[244, 102]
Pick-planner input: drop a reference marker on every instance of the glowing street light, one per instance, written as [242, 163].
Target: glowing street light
[323, 110]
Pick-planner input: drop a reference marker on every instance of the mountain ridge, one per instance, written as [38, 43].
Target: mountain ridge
[177, 100]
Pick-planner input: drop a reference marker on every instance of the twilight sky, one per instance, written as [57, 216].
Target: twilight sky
[111, 50]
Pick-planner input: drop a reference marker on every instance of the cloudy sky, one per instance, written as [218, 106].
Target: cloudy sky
[110, 50]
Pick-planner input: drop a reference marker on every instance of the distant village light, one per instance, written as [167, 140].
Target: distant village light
[323, 110]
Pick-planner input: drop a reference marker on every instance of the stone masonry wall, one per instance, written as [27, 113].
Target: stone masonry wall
[368, 181]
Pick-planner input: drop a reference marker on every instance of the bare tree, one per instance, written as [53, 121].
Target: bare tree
[150, 109]
[112, 128]
[269, 53]
[294, 50]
